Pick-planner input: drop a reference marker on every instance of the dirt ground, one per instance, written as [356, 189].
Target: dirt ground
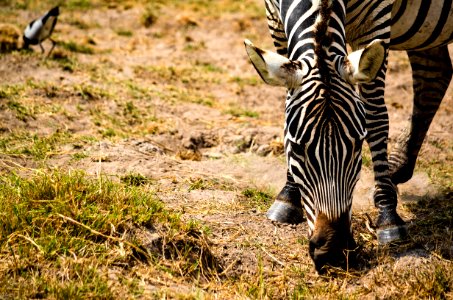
[206, 128]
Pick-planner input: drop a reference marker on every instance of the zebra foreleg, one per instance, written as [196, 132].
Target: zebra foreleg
[431, 72]
[287, 207]
[390, 226]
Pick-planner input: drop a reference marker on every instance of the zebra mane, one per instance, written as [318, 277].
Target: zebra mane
[323, 38]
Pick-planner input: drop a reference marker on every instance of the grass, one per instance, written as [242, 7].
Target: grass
[124, 32]
[133, 179]
[241, 112]
[22, 113]
[91, 93]
[34, 146]
[150, 14]
[63, 235]
[258, 199]
[197, 75]
[10, 91]
[197, 183]
[9, 38]
[205, 8]
[76, 47]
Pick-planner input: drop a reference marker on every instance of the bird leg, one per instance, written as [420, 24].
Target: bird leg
[42, 48]
[53, 46]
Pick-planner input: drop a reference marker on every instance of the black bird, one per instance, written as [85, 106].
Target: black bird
[40, 29]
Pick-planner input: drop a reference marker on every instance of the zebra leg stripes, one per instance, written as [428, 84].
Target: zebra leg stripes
[432, 73]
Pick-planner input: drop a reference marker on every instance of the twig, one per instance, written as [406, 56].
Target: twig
[369, 224]
[273, 257]
[93, 231]
[3, 161]
[32, 242]
[229, 267]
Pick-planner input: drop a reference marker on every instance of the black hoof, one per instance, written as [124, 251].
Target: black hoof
[390, 226]
[391, 234]
[285, 212]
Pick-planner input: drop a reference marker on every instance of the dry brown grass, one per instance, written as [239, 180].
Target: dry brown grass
[9, 38]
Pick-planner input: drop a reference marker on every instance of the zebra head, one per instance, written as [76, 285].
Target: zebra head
[324, 129]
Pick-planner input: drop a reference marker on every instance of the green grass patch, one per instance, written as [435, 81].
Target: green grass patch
[76, 48]
[176, 94]
[246, 81]
[258, 199]
[134, 179]
[367, 161]
[34, 146]
[11, 91]
[197, 183]
[198, 75]
[241, 112]
[63, 235]
[150, 14]
[79, 156]
[90, 92]
[219, 8]
[124, 32]
[64, 59]
[78, 4]
[22, 112]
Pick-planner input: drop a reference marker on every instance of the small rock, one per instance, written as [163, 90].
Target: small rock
[150, 148]
[263, 150]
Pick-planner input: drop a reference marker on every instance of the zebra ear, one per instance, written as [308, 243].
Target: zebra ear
[274, 68]
[362, 66]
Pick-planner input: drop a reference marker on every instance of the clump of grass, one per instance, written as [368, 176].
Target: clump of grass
[151, 14]
[9, 38]
[241, 112]
[432, 226]
[32, 145]
[90, 93]
[366, 156]
[22, 113]
[108, 133]
[65, 60]
[257, 198]
[10, 91]
[124, 32]
[134, 179]
[246, 81]
[176, 94]
[79, 156]
[78, 4]
[62, 235]
[198, 183]
[76, 48]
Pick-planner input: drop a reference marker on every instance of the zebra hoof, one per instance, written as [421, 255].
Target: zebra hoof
[284, 212]
[391, 234]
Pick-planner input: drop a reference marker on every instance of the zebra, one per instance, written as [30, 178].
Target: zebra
[335, 101]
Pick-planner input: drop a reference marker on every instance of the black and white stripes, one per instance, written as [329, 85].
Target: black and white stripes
[327, 118]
